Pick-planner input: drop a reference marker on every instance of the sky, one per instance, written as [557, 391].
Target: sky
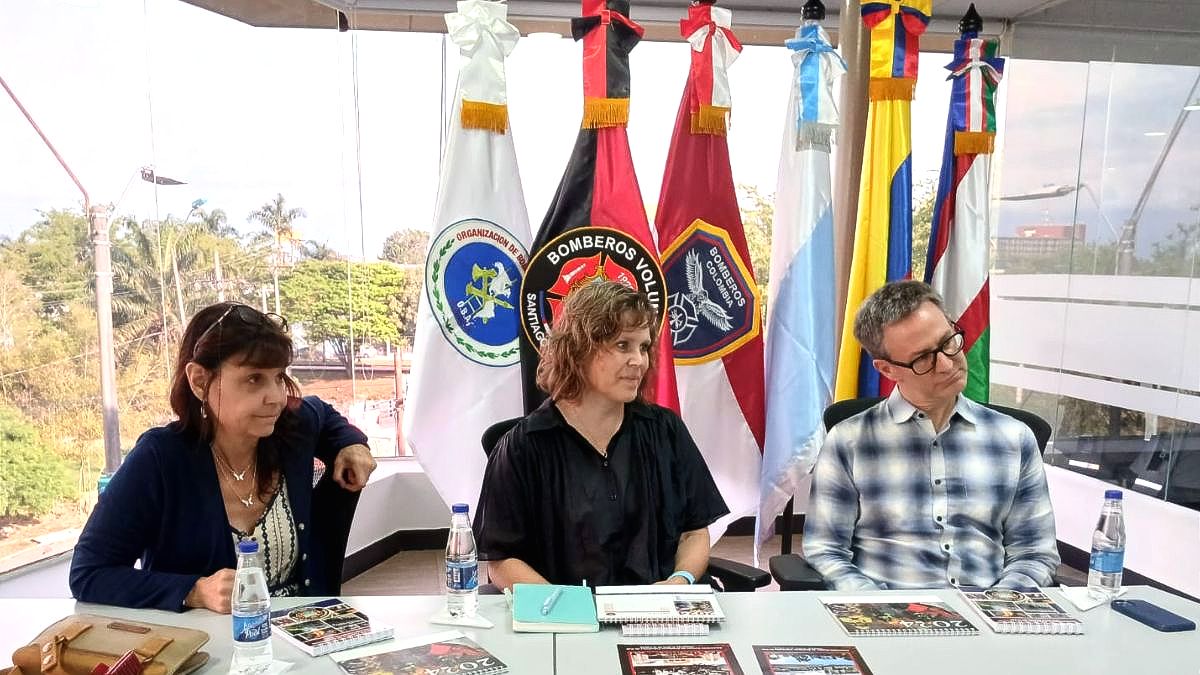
[346, 125]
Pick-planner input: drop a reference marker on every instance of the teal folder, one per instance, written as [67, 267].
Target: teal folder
[573, 612]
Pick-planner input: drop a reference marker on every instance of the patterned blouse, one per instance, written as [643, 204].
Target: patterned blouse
[275, 533]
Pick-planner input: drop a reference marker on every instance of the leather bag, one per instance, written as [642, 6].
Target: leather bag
[77, 644]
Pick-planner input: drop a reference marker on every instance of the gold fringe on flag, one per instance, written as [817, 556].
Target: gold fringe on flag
[974, 142]
[605, 112]
[891, 89]
[486, 116]
[710, 119]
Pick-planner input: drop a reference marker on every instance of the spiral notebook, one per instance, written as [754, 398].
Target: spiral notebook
[327, 626]
[447, 652]
[666, 604]
[664, 629]
[1021, 611]
[878, 615]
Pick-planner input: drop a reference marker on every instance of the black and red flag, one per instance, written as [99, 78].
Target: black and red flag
[596, 225]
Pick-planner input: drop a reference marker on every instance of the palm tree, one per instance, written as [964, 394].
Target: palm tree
[139, 302]
[316, 250]
[277, 218]
[216, 222]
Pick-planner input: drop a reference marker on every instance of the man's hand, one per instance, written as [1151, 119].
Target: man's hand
[212, 592]
[353, 466]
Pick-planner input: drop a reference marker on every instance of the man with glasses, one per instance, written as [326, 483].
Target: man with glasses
[927, 488]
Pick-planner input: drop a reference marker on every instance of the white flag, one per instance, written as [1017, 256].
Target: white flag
[466, 362]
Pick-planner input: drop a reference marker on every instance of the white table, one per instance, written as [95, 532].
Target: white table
[1112, 643]
[532, 654]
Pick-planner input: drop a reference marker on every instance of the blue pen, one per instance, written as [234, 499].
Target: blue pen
[550, 600]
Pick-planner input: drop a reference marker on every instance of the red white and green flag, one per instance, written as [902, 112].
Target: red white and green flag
[957, 262]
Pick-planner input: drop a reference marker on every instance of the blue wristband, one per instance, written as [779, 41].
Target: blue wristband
[685, 575]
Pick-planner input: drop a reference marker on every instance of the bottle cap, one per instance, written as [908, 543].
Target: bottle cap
[247, 546]
[1112, 494]
[459, 508]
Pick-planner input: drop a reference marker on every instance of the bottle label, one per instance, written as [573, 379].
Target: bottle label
[1107, 562]
[462, 576]
[251, 628]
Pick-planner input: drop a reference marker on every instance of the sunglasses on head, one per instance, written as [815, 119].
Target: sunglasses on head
[248, 316]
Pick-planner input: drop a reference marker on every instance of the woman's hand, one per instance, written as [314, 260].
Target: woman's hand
[213, 592]
[353, 466]
[672, 581]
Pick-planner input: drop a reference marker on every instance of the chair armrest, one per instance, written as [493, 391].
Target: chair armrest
[793, 573]
[736, 577]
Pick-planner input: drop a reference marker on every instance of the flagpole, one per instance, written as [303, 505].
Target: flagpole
[855, 46]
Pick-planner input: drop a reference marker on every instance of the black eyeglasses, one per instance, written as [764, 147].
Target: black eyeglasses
[247, 315]
[924, 363]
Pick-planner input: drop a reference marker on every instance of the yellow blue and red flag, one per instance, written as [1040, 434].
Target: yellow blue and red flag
[883, 234]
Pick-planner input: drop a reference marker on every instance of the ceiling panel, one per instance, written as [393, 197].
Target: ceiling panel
[1161, 31]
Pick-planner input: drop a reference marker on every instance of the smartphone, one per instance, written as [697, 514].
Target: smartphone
[1152, 615]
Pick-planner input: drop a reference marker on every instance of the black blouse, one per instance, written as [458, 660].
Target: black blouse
[552, 501]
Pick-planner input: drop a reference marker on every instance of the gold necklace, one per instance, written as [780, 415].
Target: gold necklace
[239, 476]
[248, 500]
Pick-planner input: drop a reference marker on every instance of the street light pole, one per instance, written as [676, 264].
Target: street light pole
[1125, 245]
[97, 218]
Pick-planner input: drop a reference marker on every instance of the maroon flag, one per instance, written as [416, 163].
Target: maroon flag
[714, 305]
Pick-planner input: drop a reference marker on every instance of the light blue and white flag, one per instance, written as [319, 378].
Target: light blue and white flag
[800, 301]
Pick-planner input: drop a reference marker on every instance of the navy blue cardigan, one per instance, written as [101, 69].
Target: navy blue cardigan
[164, 507]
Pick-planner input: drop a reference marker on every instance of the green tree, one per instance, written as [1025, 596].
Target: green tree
[140, 276]
[1177, 255]
[18, 312]
[277, 218]
[406, 247]
[57, 253]
[316, 250]
[216, 222]
[32, 480]
[922, 224]
[758, 219]
[320, 294]
[403, 305]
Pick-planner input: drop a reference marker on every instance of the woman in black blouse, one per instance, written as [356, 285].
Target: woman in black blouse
[597, 485]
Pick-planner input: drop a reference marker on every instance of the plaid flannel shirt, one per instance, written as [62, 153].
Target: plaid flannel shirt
[896, 505]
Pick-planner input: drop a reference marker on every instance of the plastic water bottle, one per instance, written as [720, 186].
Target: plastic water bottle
[251, 613]
[1108, 549]
[462, 566]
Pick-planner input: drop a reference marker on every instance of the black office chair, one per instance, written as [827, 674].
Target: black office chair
[791, 570]
[729, 575]
[332, 513]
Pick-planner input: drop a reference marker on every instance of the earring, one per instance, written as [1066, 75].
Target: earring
[203, 411]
